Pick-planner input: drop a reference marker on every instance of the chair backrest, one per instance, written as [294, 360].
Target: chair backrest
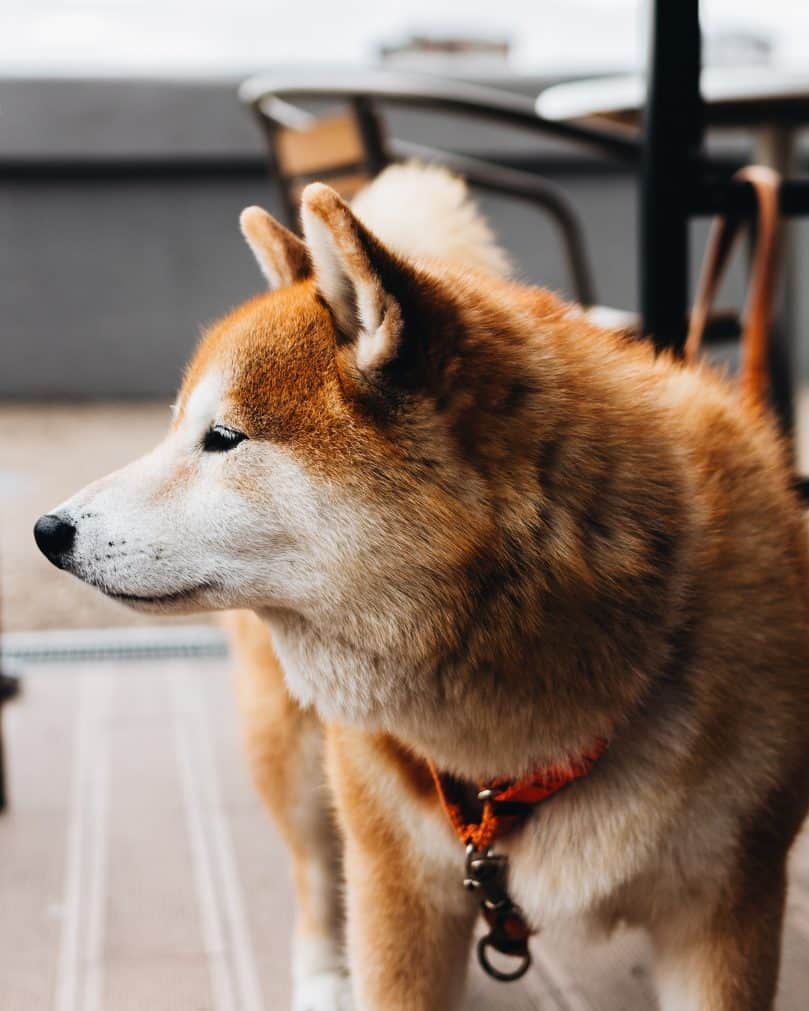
[350, 148]
[303, 148]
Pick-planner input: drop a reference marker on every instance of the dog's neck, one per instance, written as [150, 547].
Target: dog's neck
[531, 675]
[558, 624]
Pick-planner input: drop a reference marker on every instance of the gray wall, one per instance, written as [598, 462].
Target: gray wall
[105, 284]
[108, 271]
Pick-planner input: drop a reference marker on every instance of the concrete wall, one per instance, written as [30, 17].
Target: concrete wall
[120, 238]
[106, 283]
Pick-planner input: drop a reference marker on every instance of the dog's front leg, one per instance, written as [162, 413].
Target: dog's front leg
[409, 918]
[728, 961]
[285, 749]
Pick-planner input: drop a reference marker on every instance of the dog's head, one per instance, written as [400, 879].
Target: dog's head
[325, 451]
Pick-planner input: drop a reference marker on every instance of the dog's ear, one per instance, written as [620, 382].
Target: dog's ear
[367, 288]
[281, 255]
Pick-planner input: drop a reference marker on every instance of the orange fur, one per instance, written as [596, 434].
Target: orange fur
[496, 352]
[485, 532]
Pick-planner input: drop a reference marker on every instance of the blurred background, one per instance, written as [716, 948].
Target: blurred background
[125, 157]
[136, 867]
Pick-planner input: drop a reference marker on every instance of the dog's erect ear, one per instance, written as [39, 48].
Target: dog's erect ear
[361, 281]
[282, 256]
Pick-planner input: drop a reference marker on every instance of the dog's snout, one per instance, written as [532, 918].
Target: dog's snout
[54, 535]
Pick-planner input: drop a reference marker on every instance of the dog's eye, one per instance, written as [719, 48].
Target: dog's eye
[219, 439]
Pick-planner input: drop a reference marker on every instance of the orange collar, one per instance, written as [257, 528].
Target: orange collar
[506, 802]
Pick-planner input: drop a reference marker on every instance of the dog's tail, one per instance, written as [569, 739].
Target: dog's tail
[426, 211]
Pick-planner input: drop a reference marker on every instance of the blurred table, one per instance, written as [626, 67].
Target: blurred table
[747, 96]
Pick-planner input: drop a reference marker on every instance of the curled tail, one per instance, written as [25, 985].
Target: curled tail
[425, 211]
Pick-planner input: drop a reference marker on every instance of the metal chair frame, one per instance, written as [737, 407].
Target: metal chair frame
[271, 100]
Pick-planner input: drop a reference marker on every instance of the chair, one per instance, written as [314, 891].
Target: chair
[348, 148]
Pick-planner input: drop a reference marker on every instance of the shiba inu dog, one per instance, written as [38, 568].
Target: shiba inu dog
[475, 530]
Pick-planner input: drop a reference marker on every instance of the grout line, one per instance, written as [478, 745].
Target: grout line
[246, 969]
[104, 644]
[98, 850]
[213, 933]
[82, 848]
[67, 970]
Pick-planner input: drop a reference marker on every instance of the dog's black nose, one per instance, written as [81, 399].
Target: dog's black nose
[54, 536]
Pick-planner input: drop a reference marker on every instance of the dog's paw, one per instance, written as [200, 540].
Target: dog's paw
[323, 991]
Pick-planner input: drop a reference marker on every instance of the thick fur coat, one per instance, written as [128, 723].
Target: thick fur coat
[482, 531]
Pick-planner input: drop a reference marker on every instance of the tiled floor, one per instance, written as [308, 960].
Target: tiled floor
[138, 871]
[132, 846]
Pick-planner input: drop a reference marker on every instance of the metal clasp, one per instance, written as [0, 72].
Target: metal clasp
[487, 874]
[518, 950]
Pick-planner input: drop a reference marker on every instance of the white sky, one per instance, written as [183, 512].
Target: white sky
[238, 36]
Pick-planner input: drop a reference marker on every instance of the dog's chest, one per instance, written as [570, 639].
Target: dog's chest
[342, 682]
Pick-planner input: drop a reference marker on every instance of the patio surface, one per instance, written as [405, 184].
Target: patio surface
[138, 871]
